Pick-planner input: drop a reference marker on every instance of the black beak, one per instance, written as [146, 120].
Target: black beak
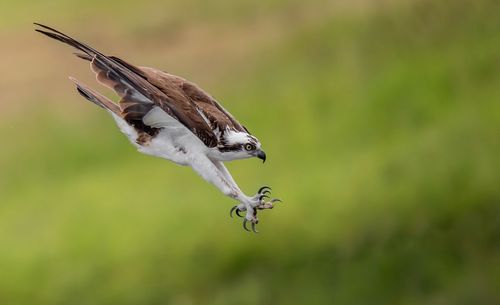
[261, 155]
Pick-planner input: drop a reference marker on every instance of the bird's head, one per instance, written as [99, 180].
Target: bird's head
[241, 145]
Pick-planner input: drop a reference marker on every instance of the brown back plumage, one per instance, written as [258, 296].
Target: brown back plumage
[142, 88]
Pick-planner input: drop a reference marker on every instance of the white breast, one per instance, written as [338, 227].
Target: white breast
[174, 142]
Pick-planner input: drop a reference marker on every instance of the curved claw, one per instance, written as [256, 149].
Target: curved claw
[232, 210]
[263, 188]
[263, 196]
[253, 228]
[266, 192]
[235, 210]
[245, 225]
[275, 200]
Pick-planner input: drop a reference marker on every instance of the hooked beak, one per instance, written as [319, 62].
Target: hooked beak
[261, 155]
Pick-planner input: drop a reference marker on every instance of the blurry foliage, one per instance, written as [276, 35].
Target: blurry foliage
[382, 126]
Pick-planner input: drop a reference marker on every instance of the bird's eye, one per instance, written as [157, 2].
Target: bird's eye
[249, 147]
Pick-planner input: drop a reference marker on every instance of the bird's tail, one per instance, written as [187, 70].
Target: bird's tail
[96, 98]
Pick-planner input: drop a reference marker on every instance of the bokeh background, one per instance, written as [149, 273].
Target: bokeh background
[381, 120]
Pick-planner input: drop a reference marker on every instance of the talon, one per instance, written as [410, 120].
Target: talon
[263, 196]
[253, 228]
[236, 211]
[266, 192]
[263, 188]
[245, 225]
[232, 210]
[275, 200]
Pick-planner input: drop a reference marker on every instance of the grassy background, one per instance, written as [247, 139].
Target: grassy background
[381, 120]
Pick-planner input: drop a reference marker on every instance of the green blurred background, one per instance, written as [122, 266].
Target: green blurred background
[381, 121]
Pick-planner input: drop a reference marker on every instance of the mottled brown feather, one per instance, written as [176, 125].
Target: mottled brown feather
[175, 85]
[142, 88]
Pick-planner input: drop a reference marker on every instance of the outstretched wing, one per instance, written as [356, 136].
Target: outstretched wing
[138, 95]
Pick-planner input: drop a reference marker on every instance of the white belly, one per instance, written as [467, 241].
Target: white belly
[163, 146]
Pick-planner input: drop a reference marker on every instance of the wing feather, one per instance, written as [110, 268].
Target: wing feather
[215, 115]
[138, 95]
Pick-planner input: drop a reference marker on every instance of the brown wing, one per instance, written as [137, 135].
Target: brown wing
[170, 84]
[138, 95]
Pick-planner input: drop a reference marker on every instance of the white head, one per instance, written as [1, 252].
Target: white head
[240, 145]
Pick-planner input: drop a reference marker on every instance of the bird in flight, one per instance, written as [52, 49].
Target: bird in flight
[166, 116]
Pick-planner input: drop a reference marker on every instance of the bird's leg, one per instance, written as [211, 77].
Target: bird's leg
[248, 204]
[216, 173]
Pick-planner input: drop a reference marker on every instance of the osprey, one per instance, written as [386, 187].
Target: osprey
[166, 116]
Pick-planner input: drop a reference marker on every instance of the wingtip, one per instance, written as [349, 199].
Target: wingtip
[44, 32]
[40, 25]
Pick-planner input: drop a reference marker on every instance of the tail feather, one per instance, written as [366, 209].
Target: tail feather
[96, 98]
